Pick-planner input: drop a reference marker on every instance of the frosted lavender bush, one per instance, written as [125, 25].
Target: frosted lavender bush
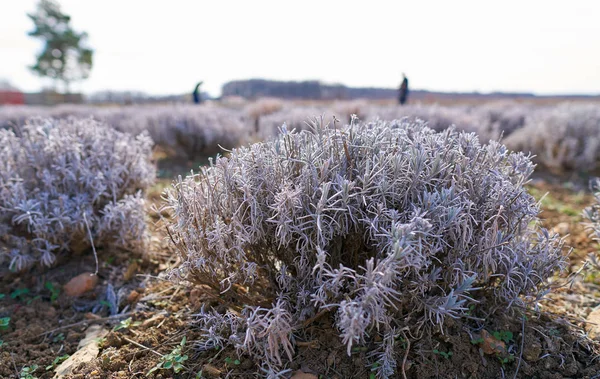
[389, 227]
[187, 131]
[260, 108]
[566, 137]
[502, 118]
[437, 117]
[62, 182]
[345, 109]
[182, 130]
[293, 117]
[489, 121]
[12, 116]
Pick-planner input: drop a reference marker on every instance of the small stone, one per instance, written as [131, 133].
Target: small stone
[593, 326]
[303, 375]
[86, 351]
[491, 345]
[562, 228]
[211, 371]
[81, 284]
[133, 297]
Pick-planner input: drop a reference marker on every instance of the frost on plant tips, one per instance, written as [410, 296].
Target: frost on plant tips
[389, 228]
[62, 182]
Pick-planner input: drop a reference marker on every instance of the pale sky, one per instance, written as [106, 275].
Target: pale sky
[164, 47]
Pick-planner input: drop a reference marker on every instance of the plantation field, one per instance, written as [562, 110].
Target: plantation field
[154, 308]
[562, 135]
[47, 328]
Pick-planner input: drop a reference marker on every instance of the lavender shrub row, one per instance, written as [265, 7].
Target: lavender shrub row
[562, 137]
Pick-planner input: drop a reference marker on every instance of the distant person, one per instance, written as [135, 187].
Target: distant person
[196, 94]
[403, 90]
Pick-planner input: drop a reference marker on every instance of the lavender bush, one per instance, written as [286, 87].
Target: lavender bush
[389, 227]
[293, 117]
[438, 117]
[490, 121]
[561, 137]
[12, 116]
[184, 131]
[502, 118]
[566, 137]
[345, 109]
[62, 182]
[260, 108]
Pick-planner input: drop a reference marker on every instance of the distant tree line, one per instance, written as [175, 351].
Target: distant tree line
[311, 89]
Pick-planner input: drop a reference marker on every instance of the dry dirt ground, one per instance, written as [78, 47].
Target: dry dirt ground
[150, 322]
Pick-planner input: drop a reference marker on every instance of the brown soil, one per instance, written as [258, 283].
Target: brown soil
[43, 327]
[553, 344]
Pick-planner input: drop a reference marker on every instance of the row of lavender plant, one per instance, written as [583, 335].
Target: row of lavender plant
[181, 130]
[389, 228]
[563, 137]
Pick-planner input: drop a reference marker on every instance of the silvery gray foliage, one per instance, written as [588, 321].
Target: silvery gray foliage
[260, 108]
[61, 181]
[564, 137]
[14, 116]
[293, 117]
[344, 109]
[187, 131]
[438, 117]
[389, 226]
[489, 121]
[183, 130]
[502, 118]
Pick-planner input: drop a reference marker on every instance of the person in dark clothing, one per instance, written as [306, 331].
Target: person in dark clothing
[196, 94]
[403, 90]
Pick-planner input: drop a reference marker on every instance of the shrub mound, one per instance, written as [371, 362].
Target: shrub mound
[62, 182]
[562, 138]
[183, 131]
[389, 226]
